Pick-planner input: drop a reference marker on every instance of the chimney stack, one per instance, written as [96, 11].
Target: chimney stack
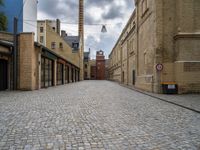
[58, 26]
[63, 33]
[81, 18]
[81, 35]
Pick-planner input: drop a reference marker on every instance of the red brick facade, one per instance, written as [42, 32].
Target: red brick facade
[100, 65]
[93, 73]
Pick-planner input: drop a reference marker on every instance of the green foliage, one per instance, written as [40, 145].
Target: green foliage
[1, 2]
[3, 19]
[3, 22]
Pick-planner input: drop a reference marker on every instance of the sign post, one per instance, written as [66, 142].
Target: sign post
[159, 68]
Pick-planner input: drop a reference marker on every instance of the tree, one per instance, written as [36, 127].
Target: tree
[1, 2]
[3, 19]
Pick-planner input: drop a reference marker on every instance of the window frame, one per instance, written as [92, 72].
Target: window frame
[53, 45]
[61, 45]
[75, 45]
[41, 29]
[41, 39]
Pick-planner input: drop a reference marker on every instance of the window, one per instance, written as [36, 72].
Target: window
[41, 39]
[54, 29]
[75, 45]
[41, 29]
[85, 66]
[46, 72]
[61, 45]
[53, 45]
[145, 58]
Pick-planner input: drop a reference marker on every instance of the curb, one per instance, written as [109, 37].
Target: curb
[162, 99]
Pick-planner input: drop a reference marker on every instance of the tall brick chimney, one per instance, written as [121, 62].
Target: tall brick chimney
[81, 18]
[81, 35]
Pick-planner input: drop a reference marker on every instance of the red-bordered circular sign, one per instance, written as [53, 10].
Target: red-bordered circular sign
[159, 67]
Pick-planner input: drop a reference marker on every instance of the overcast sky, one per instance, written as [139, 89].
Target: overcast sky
[113, 13]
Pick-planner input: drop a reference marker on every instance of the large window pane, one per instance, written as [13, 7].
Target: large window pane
[42, 71]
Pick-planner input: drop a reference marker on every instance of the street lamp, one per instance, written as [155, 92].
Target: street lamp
[103, 29]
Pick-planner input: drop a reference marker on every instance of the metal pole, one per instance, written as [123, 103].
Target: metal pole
[15, 55]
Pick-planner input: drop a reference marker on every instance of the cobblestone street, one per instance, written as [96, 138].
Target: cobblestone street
[98, 115]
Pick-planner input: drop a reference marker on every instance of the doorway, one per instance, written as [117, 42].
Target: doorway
[133, 74]
[123, 77]
[3, 74]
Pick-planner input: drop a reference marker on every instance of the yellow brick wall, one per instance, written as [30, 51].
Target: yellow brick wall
[66, 51]
[167, 33]
[188, 81]
[4, 49]
[87, 69]
[6, 36]
[28, 64]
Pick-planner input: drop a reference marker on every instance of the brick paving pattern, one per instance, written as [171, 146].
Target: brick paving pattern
[99, 115]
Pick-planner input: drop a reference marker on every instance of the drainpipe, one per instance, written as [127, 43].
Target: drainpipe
[15, 55]
[137, 45]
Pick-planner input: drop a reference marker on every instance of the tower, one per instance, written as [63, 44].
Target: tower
[81, 35]
[100, 65]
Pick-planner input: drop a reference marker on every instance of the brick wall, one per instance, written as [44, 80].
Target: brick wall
[6, 36]
[167, 33]
[28, 62]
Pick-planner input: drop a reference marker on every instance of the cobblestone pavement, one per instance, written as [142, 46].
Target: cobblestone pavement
[94, 115]
[191, 101]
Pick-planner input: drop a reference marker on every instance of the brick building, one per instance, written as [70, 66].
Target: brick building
[49, 36]
[95, 69]
[87, 65]
[37, 66]
[159, 47]
[100, 65]
[49, 62]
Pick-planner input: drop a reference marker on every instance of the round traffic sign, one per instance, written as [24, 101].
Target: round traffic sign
[159, 67]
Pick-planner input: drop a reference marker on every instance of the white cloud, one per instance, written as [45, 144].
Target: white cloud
[114, 13]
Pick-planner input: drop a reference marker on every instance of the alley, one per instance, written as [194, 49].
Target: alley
[94, 115]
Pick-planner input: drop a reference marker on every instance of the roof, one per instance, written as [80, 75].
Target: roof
[72, 39]
[6, 43]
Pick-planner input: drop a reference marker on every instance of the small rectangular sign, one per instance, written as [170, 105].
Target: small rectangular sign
[171, 86]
